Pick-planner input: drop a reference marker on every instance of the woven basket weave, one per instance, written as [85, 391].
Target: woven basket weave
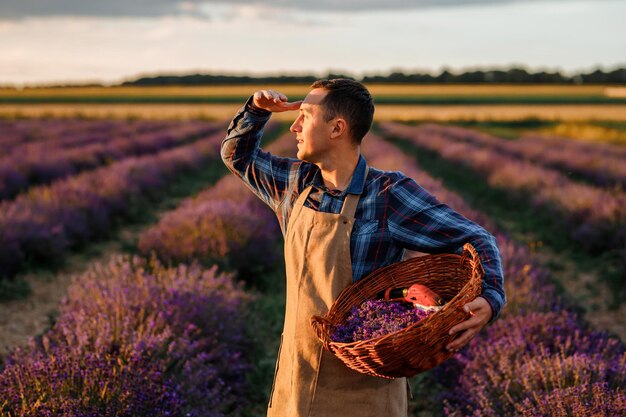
[421, 346]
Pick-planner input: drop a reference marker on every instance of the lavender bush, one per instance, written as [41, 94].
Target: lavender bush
[136, 338]
[16, 133]
[532, 365]
[58, 382]
[596, 399]
[236, 235]
[224, 224]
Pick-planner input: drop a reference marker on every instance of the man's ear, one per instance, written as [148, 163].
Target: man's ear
[339, 127]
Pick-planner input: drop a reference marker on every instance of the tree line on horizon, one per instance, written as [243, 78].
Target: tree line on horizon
[511, 76]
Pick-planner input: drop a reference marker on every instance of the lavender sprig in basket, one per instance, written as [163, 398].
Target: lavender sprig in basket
[376, 318]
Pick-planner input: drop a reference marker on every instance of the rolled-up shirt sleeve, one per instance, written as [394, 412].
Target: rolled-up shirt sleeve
[267, 175]
[419, 222]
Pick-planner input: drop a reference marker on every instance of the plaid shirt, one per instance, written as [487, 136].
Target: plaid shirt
[393, 214]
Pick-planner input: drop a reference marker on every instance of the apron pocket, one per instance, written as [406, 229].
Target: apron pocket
[280, 347]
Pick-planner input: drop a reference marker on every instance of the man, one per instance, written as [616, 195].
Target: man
[342, 220]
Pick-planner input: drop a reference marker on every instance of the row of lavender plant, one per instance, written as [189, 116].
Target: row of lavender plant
[136, 339]
[139, 339]
[594, 217]
[43, 223]
[595, 147]
[44, 162]
[224, 224]
[17, 136]
[601, 164]
[539, 358]
[15, 133]
[228, 225]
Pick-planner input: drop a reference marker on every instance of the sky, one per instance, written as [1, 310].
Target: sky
[110, 41]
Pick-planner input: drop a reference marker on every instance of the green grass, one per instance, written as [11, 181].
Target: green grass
[506, 129]
[610, 124]
[13, 288]
[515, 214]
[513, 129]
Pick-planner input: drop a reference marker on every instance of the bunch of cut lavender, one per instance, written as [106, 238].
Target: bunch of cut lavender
[375, 318]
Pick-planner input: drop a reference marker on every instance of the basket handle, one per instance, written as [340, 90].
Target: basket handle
[470, 252]
[322, 326]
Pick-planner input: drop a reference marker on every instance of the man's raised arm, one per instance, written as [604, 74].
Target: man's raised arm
[266, 175]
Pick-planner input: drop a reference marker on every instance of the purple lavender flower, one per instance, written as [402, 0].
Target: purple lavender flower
[523, 362]
[376, 318]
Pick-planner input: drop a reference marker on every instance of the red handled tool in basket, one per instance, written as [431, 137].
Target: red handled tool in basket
[417, 294]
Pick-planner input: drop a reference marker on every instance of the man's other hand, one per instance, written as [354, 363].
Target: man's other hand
[480, 314]
[273, 101]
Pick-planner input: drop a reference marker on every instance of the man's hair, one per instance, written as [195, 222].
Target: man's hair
[348, 99]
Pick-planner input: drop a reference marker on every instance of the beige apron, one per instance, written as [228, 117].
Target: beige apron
[310, 381]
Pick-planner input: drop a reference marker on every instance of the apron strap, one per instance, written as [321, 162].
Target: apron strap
[349, 205]
[297, 206]
[351, 201]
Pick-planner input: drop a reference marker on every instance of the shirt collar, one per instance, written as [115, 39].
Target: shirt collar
[357, 184]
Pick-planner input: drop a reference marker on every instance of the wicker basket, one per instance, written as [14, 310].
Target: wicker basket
[421, 346]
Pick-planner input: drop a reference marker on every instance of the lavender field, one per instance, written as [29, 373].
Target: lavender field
[186, 320]
[582, 211]
[39, 154]
[539, 358]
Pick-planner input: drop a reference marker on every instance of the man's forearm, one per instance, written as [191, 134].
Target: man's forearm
[493, 281]
[243, 137]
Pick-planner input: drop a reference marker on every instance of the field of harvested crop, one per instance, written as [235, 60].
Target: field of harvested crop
[381, 92]
[394, 102]
[134, 265]
[211, 111]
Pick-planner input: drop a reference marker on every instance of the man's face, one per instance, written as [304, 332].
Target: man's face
[312, 131]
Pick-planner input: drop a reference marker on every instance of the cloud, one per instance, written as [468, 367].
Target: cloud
[370, 5]
[16, 9]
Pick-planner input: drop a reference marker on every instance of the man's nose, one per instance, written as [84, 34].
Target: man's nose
[295, 126]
